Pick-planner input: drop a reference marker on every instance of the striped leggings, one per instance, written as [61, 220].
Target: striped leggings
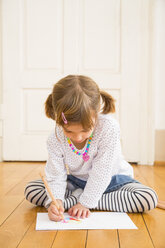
[132, 197]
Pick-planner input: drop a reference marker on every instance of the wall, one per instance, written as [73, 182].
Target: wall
[159, 79]
[0, 82]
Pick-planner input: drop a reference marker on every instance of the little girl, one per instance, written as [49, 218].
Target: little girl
[85, 167]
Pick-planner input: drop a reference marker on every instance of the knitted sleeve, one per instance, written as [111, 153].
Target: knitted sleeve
[55, 170]
[101, 172]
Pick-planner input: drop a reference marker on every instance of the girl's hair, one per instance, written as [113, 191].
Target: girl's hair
[79, 98]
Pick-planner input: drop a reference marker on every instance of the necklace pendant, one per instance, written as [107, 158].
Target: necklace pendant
[86, 157]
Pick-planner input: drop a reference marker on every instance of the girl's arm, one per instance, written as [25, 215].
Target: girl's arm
[55, 170]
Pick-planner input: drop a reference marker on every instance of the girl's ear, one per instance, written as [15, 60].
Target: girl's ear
[49, 108]
[108, 103]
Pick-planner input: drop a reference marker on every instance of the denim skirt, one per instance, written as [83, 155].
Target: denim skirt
[116, 182]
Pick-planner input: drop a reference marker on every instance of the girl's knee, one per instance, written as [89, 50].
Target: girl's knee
[29, 186]
[27, 189]
[34, 191]
[148, 198]
[154, 198]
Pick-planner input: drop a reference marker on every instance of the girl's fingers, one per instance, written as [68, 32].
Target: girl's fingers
[54, 217]
[74, 212]
[88, 214]
[54, 210]
[79, 213]
[84, 214]
[54, 213]
[70, 211]
[61, 207]
[61, 210]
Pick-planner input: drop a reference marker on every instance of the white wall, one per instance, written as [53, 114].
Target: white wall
[159, 78]
[159, 64]
[0, 84]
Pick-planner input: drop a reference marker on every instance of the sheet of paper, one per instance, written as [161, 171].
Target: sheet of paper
[97, 220]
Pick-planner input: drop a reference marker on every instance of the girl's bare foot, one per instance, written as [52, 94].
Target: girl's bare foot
[161, 204]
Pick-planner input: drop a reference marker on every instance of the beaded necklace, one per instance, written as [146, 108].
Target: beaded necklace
[85, 155]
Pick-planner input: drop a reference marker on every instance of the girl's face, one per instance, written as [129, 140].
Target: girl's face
[77, 133]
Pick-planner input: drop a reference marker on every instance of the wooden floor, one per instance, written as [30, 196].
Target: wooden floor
[18, 217]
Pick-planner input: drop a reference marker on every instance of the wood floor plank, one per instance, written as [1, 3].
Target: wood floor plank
[17, 172]
[154, 179]
[135, 238]
[37, 239]
[155, 219]
[16, 195]
[19, 188]
[17, 224]
[8, 205]
[147, 176]
[70, 239]
[102, 238]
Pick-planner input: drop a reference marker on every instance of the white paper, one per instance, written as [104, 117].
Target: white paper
[97, 220]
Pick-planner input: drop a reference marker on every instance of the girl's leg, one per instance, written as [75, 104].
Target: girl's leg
[35, 193]
[132, 197]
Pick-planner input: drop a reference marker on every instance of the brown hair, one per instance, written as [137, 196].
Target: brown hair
[78, 97]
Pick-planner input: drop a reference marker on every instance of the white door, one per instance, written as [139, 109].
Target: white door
[44, 40]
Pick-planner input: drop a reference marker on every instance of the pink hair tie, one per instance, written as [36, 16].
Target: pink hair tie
[64, 118]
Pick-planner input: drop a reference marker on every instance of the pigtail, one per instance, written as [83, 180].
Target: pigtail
[108, 103]
[49, 108]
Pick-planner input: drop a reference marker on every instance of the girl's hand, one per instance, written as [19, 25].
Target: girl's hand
[55, 214]
[79, 211]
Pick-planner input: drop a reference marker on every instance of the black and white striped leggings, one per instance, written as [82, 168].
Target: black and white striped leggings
[132, 197]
